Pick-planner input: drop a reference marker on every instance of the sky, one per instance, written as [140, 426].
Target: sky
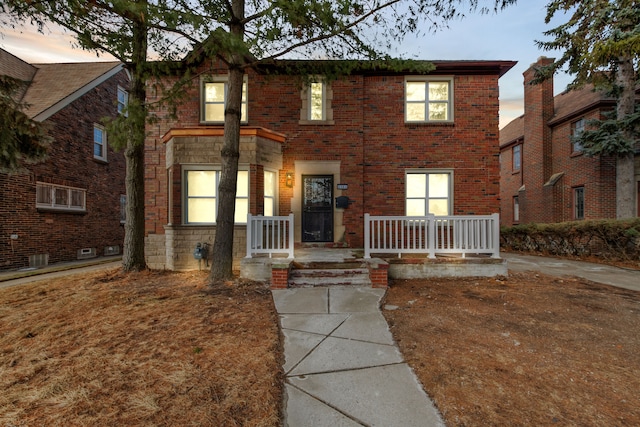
[508, 35]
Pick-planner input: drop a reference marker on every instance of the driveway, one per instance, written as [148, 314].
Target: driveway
[600, 273]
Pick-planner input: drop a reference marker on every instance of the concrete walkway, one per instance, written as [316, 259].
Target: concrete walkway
[28, 275]
[600, 273]
[342, 366]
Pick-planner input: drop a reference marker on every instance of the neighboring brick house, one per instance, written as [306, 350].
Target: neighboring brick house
[394, 143]
[68, 206]
[544, 176]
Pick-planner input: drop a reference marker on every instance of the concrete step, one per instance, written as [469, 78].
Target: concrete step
[329, 277]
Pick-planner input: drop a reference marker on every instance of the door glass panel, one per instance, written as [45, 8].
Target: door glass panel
[317, 209]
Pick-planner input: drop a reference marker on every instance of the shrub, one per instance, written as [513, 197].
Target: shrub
[617, 240]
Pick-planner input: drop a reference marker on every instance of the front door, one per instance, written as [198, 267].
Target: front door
[317, 208]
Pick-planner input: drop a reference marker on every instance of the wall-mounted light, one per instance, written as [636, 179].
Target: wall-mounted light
[289, 179]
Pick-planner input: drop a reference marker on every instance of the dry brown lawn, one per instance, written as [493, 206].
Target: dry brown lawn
[143, 349]
[162, 349]
[530, 350]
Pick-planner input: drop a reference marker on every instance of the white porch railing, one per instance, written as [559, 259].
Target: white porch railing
[269, 235]
[431, 235]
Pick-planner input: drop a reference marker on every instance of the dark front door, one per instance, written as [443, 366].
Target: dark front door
[317, 208]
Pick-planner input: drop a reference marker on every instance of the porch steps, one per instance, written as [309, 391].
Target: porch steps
[328, 274]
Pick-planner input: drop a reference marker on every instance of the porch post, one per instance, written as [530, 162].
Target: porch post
[291, 228]
[367, 237]
[495, 223]
[248, 236]
[431, 235]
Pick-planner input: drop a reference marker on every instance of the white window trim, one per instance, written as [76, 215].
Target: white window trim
[327, 103]
[421, 79]
[218, 169]
[431, 171]
[222, 79]
[104, 142]
[53, 206]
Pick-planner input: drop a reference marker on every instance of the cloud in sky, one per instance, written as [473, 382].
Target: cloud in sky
[508, 35]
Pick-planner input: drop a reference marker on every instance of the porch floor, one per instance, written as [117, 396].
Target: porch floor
[392, 267]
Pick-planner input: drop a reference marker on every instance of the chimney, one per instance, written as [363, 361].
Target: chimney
[537, 150]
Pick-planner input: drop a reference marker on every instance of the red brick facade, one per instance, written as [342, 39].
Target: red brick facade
[367, 145]
[551, 170]
[26, 230]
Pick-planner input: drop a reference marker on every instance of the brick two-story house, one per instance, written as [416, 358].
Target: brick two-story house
[391, 142]
[544, 175]
[68, 206]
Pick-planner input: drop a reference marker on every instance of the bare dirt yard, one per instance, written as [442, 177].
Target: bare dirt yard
[527, 350]
[142, 349]
[163, 349]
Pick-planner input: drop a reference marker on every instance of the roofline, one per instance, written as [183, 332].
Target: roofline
[607, 102]
[511, 142]
[380, 67]
[50, 111]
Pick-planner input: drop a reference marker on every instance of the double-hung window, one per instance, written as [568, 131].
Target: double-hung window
[517, 157]
[429, 192]
[578, 203]
[317, 96]
[123, 100]
[202, 201]
[214, 99]
[577, 128]
[60, 197]
[270, 193]
[99, 143]
[428, 100]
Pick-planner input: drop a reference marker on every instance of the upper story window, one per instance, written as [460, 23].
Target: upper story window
[577, 128]
[428, 99]
[123, 100]
[201, 196]
[214, 95]
[60, 197]
[517, 157]
[99, 143]
[429, 192]
[317, 97]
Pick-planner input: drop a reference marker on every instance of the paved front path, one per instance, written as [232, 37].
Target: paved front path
[342, 366]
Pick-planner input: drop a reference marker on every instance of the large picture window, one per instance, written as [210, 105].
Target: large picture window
[428, 100]
[214, 99]
[201, 190]
[60, 197]
[429, 192]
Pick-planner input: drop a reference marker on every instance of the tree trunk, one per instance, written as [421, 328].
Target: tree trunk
[133, 257]
[222, 265]
[625, 178]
